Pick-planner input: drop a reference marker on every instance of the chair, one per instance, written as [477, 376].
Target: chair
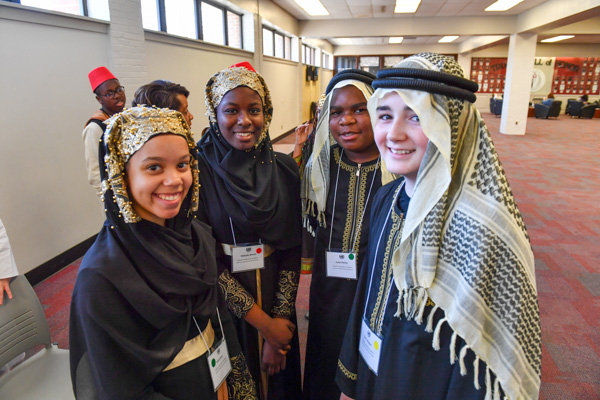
[570, 103]
[588, 111]
[495, 106]
[23, 326]
[543, 111]
[575, 110]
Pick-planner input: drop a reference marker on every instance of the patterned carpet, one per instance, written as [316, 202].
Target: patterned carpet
[554, 172]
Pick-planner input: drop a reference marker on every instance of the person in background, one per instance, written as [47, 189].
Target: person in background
[549, 100]
[8, 266]
[147, 315]
[164, 94]
[584, 99]
[250, 196]
[111, 96]
[446, 308]
[339, 182]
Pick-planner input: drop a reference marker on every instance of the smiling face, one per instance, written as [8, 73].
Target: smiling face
[117, 102]
[158, 176]
[400, 138]
[240, 117]
[350, 124]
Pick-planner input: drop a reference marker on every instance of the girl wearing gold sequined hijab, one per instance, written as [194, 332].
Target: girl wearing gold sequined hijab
[146, 306]
[250, 195]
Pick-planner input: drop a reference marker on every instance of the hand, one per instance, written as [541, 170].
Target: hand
[344, 397]
[4, 288]
[302, 133]
[279, 333]
[272, 360]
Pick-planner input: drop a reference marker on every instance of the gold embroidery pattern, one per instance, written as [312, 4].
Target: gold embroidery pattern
[393, 242]
[239, 301]
[125, 134]
[240, 385]
[345, 371]
[356, 199]
[285, 298]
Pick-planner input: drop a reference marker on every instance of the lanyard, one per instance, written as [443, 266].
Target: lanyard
[377, 250]
[362, 216]
[200, 330]
[233, 233]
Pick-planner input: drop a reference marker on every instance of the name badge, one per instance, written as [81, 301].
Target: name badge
[341, 265]
[219, 364]
[247, 258]
[370, 346]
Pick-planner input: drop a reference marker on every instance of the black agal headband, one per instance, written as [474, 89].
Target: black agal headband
[354, 74]
[427, 81]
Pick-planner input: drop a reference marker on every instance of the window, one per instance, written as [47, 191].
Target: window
[87, 8]
[390, 61]
[267, 42]
[342, 63]
[195, 19]
[180, 18]
[308, 55]
[327, 60]
[276, 43]
[213, 30]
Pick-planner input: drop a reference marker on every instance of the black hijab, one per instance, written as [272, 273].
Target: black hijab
[153, 278]
[251, 184]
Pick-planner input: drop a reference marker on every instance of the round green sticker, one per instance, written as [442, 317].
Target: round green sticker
[351, 256]
[213, 362]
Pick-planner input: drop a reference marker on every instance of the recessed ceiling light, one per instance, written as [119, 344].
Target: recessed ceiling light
[447, 39]
[503, 5]
[557, 38]
[397, 39]
[312, 7]
[343, 41]
[406, 6]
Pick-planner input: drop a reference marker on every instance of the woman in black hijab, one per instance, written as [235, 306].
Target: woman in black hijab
[250, 196]
[146, 312]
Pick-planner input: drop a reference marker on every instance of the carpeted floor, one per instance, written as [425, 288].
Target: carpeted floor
[554, 172]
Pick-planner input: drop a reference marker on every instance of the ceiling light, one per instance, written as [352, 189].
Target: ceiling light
[312, 7]
[503, 5]
[343, 41]
[447, 39]
[396, 39]
[406, 6]
[557, 38]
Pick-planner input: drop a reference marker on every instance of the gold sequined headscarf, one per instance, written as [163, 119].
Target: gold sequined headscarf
[228, 79]
[126, 133]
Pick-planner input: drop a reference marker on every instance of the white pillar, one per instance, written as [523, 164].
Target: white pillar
[127, 45]
[517, 88]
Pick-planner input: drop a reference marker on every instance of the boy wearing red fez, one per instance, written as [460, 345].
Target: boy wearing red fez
[111, 96]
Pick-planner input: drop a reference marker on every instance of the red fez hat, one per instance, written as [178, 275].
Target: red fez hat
[98, 76]
[244, 64]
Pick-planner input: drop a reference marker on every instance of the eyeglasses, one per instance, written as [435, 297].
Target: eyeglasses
[112, 93]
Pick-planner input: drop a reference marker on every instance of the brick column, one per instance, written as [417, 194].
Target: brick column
[127, 45]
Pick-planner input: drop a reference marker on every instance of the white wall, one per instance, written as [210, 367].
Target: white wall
[46, 202]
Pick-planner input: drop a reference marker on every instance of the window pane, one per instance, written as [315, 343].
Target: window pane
[278, 45]
[342, 63]
[98, 9]
[181, 18]
[234, 30]
[288, 48]
[267, 42]
[369, 61]
[390, 61]
[213, 30]
[150, 15]
[66, 6]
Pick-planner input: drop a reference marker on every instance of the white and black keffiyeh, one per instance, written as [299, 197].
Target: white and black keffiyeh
[464, 244]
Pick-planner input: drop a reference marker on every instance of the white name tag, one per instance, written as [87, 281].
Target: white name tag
[370, 346]
[247, 258]
[341, 265]
[219, 364]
